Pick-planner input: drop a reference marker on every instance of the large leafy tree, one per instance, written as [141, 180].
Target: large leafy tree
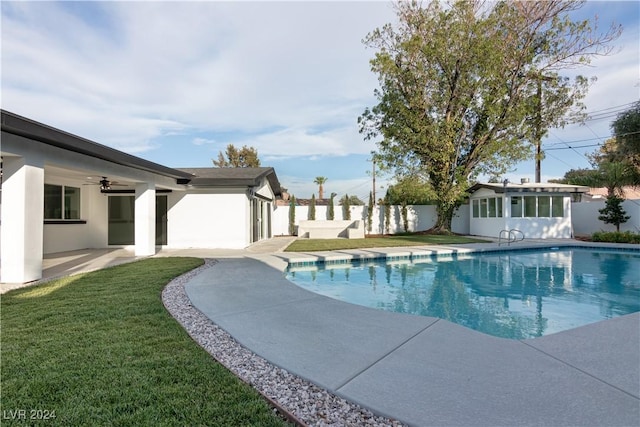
[461, 88]
[626, 129]
[245, 157]
[617, 161]
[588, 177]
[412, 190]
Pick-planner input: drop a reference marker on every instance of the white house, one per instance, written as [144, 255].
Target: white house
[538, 210]
[60, 192]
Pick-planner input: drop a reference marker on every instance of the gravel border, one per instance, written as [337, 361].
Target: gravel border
[298, 400]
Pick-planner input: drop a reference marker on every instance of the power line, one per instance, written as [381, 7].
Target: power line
[615, 107]
[589, 139]
[560, 160]
[569, 147]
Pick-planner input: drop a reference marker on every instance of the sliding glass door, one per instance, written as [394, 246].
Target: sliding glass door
[122, 220]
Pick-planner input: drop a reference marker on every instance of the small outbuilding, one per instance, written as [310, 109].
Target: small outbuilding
[537, 210]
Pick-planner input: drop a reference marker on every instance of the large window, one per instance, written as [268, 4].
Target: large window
[557, 206]
[516, 207]
[544, 206]
[537, 206]
[61, 202]
[530, 206]
[487, 208]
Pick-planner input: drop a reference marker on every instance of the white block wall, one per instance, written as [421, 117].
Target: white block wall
[585, 217]
[421, 217]
[206, 220]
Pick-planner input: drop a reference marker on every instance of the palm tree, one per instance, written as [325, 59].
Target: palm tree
[616, 175]
[320, 180]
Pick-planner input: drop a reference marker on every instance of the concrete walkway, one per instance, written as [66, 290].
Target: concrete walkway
[67, 263]
[424, 371]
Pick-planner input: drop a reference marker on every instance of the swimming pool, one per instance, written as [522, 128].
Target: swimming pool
[510, 294]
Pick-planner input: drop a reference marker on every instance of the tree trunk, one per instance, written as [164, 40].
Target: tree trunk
[445, 216]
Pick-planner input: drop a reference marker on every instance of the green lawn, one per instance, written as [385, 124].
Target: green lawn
[101, 349]
[310, 245]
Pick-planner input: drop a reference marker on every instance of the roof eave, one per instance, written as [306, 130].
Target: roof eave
[21, 126]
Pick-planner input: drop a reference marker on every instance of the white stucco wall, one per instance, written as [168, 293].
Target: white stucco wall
[208, 219]
[540, 228]
[422, 217]
[487, 226]
[586, 222]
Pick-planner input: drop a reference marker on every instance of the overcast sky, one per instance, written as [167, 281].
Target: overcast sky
[175, 82]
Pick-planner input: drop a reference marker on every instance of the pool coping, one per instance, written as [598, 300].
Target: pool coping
[584, 376]
[298, 259]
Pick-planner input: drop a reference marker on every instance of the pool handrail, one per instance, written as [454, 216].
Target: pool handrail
[512, 236]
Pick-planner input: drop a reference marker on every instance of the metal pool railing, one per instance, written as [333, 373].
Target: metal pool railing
[512, 236]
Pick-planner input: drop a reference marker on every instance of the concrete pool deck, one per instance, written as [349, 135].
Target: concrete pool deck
[424, 371]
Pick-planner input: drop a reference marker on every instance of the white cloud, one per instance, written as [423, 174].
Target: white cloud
[204, 141]
[305, 142]
[145, 69]
[289, 78]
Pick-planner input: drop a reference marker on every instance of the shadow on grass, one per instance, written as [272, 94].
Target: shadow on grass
[101, 349]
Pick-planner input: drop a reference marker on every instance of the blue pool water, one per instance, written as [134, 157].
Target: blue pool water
[516, 294]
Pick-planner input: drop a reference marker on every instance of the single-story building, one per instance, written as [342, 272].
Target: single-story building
[538, 210]
[60, 192]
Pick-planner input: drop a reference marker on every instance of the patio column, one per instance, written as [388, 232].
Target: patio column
[22, 217]
[145, 219]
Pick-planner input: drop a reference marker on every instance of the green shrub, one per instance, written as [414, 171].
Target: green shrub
[616, 237]
[292, 216]
[311, 214]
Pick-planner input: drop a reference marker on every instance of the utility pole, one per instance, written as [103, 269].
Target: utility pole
[538, 129]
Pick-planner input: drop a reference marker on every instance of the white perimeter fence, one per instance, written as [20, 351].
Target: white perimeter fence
[423, 217]
[584, 217]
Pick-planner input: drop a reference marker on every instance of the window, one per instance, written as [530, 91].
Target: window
[61, 202]
[530, 206]
[537, 206]
[487, 208]
[483, 208]
[516, 207]
[492, 207]
[557, 206]
[544, 206]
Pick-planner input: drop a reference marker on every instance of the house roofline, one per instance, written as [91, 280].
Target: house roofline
[203, 182]
[530, 188]
[21, 126]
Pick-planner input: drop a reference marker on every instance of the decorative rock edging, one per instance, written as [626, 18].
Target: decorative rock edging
[298, 400]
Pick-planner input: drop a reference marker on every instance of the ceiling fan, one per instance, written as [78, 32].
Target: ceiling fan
[105, 184]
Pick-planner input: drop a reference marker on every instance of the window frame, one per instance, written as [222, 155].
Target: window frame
[552, 206]
[544, 206]
[64, 205]
[554, 200]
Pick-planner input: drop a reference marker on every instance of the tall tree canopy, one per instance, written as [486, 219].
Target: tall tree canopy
[410, 191]
[246, 157]
[617, 161]
[626, 129]
[461, 87]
